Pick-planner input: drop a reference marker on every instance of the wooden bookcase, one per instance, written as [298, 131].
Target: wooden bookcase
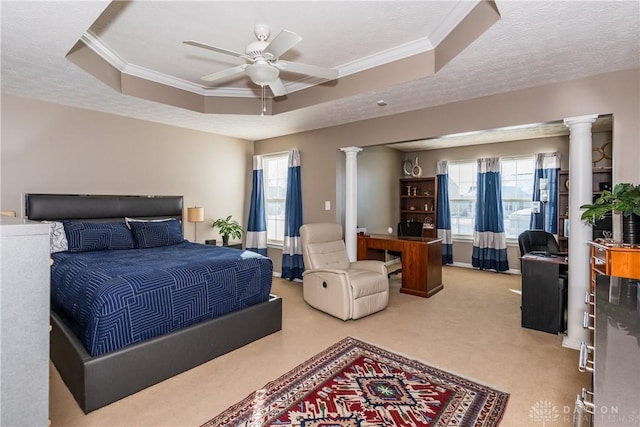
[419, 202]
[601, 177]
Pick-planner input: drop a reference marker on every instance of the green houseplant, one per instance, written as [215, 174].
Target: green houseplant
[228, 227]
[625, 198]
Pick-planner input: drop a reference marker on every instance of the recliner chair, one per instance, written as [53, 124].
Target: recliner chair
[333, 284]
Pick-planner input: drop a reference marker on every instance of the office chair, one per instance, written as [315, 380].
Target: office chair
[407, 228]
[538, 241]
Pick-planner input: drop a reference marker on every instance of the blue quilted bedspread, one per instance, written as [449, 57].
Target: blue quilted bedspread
[113, 298]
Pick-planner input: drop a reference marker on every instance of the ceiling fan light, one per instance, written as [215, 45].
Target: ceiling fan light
[262, 73]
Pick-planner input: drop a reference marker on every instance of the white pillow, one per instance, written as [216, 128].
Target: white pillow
[127, 220]
[57, 237]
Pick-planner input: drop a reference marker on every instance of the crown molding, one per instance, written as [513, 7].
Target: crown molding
[105, 52]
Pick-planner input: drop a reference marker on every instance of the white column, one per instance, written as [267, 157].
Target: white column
[351, 202]
[580, 193]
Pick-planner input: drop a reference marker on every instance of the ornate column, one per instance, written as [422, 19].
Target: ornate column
[580, 193]
[351, 202]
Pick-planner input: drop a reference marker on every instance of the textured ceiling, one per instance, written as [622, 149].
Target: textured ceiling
[149, 34]
[534, 43]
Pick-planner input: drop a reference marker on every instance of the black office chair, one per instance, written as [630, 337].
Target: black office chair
[407, 228]
[538, 241]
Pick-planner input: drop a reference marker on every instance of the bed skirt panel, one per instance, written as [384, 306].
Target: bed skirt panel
[98, 381]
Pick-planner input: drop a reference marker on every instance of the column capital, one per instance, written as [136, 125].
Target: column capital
[570, 121]
[351, 149]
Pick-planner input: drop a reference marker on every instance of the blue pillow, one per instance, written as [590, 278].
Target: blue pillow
[151, 234]
[90, 236]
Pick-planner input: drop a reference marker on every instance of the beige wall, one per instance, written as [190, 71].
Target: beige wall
[525, 147]
[378, 173]
[49, 148]
[46, 148]
[613, 93]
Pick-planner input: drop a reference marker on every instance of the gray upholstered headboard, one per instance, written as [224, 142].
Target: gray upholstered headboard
[100, 208]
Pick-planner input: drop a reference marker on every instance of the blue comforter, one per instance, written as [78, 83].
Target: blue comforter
[113, 298]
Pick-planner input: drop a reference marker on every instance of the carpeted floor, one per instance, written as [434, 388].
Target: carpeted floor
[471, 328]
[354, 383]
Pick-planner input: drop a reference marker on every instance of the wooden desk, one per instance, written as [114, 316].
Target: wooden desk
[421, 260]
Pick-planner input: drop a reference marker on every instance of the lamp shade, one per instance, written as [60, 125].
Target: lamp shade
[195, 214]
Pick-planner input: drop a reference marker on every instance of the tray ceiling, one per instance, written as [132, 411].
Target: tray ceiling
[382, 50]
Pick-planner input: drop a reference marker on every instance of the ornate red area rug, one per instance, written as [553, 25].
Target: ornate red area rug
[355, 384]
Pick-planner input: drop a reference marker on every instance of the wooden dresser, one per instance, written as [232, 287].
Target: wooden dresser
[613, 354]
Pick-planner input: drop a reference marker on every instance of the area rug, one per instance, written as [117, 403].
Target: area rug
[356, 384]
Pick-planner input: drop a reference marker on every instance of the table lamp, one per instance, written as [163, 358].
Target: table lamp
[195, 215]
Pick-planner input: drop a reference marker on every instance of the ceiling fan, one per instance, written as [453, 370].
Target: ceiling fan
[263, 60]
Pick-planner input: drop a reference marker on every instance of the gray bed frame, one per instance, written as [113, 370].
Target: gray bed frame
[98, 381]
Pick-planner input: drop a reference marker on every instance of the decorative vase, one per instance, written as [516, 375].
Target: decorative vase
[225, 240]
[416, 172]
[631, 229]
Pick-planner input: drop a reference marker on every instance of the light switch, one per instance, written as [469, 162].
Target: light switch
[327, 205]
[535, 207]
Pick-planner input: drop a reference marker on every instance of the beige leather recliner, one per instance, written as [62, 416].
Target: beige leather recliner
[333, 284]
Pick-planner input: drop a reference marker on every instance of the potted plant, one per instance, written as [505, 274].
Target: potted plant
[625, 199]
[228, 227]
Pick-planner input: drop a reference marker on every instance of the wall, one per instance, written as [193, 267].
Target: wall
[612, 93]
[49, 148]
[190, 162]
[379, 170]
[378, 174]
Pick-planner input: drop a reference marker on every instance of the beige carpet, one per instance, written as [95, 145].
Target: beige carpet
[471, 328]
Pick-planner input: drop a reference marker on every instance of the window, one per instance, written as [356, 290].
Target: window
[516, 174]
[462, 196]
[517, 192]
[275, 168]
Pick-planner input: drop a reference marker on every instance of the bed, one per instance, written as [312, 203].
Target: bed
[105, 355]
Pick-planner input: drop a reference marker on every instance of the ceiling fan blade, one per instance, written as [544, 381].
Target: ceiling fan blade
[215, 49]
[224, 73]
[277, 88]
[284, 41]
[311, 70]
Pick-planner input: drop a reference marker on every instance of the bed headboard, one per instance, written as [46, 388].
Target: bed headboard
[100, 208]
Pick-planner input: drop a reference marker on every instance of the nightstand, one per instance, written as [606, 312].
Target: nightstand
[234, 245]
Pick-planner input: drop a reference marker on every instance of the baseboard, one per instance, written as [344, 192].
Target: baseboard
[467, 265]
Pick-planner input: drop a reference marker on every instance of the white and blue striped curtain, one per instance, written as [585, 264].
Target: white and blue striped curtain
[489, 240]
[292, 265]
[444, 212]
[547, 166]
[256, 235]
